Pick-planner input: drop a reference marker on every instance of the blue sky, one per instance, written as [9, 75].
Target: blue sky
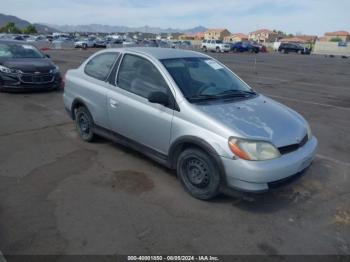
[292, 16]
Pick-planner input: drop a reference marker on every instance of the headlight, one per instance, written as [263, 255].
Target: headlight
[253, 150]
[6, 70]
[55, 70]
[308, 128]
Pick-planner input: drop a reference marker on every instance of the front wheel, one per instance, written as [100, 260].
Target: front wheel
[205, 49]
[199, 174]
[84, 124]
[217, 50]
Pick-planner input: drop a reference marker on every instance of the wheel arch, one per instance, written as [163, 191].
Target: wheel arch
[78, 102]
[185, 142]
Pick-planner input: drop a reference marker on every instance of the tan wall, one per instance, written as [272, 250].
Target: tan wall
[330, 48]
[234, 39]
[342, 37]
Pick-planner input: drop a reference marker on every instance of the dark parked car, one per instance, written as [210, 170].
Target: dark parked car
[148, 43]
[245, 47]
[101, 43]
[261, 47]
[24, 67]
[290, 47]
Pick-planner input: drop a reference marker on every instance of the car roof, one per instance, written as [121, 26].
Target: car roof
[163, 53]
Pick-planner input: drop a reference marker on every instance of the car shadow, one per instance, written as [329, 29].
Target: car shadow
[293, 194]
[314, 184]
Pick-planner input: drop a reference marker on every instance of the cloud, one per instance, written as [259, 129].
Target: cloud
[312, 16]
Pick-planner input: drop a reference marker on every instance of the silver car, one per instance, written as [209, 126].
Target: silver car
[191, 113]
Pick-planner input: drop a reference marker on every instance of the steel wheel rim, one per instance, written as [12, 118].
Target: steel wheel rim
[197, 172]
[83, 123]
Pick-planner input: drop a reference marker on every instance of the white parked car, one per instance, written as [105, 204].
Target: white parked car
[215, 45]
[87, 42]
[39, 38]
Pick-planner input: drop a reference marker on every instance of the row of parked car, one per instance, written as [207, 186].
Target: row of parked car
[90, 42]
[252, 47]
[243, 46]
[110, 42]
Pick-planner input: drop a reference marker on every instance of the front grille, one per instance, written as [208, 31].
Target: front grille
[36, 78]
[290, 148]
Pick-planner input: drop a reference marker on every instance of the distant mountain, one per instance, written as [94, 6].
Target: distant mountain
[20, 23]
[95, 28]
[198, 29]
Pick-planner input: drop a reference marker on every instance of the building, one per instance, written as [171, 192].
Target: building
[263, 36]
[196, 36]
[237, 37]
[343, 35]
[217, 34]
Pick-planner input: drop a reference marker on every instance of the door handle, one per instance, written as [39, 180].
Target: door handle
[113, 103]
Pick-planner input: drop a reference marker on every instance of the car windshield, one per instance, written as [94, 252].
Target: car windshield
[205, 79]
[19, 51]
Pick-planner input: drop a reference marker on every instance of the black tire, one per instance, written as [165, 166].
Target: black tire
[199, 174]
[205, 49]
[217, 49]
[84, 124]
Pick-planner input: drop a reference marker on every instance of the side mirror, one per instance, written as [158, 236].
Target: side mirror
[47, 55]
[158, 98]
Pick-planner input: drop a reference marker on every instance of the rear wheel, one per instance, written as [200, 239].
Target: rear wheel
[199, 173]
[84, 124]
[205, 49]
[217, 50]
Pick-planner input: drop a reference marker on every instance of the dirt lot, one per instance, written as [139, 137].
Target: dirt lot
[59, 195]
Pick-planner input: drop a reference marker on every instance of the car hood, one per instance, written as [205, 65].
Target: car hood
[259, 118]
[29, 65]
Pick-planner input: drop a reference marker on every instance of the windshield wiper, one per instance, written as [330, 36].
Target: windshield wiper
[225, 94]
[235, 93]
[202, 97]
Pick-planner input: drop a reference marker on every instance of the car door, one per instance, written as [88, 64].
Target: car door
[130, 113]
[94, 93]
[211, 45]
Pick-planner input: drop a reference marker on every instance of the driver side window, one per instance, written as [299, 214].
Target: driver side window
[139, 76]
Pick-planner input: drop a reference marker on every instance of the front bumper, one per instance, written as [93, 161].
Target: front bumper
[259, 176]
[18, 83]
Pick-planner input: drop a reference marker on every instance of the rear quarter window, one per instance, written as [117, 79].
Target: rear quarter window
[100, 66]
